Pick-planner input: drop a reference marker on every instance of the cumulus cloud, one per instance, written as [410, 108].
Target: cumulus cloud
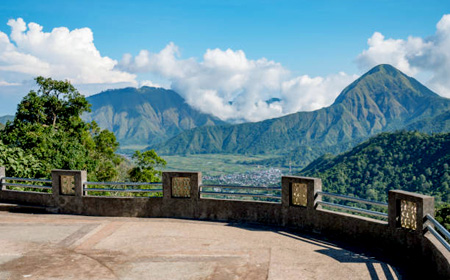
[415, 55]
[229, 85]
[305, 93]
[61, 54]
[224, 83]
[147, 83]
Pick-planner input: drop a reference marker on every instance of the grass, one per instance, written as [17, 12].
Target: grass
[214, 164]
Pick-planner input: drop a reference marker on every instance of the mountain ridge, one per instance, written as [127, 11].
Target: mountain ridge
[146, 115]
[383, 99]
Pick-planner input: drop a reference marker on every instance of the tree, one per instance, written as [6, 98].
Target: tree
[146, 169]
[55, 103]
[443, 215]
[104, 151]
[17, 162]
[48, 125]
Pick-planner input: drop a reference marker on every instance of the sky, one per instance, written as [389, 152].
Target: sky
[226, 58]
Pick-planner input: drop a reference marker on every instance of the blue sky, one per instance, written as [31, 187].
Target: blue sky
[314, 37]
[317, 39]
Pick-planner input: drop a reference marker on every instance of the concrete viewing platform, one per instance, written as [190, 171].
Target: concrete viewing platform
[43, 246]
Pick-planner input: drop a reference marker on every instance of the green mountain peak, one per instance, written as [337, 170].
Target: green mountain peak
[383, 99]
[385, 80]
[146, 115]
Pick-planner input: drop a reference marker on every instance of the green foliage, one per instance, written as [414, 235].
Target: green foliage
[56, 104]
[103, 151]
[146, 169]
[18, 163]
[443, 215]
[410, 161]
[48, 126]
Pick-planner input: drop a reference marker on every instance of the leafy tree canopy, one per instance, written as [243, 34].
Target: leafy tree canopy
[56, 103]
[17, 162]
[49, 127]
[146, 164]
[443, 215]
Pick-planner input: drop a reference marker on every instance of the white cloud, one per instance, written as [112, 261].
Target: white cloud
[415, 55]
[224, 83]
[3, 83]
[305, 93]
[147, 83]
[229, 85]
[61, 54]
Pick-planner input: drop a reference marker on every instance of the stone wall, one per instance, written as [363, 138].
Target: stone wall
[404, 231]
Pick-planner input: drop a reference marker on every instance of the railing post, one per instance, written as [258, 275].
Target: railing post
[2, 175]
[298, 200]
[181, 185]
[181, 192]
[407, 210]
[68, 182]
[300, 191]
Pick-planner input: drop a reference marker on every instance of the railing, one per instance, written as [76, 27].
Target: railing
[133, 187]
[3, 183]
[354, 209]
[234, 192]
[441, 233]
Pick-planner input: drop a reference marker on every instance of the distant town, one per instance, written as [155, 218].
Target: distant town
[256, 178]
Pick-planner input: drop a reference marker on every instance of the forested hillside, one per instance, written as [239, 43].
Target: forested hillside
[410, 161]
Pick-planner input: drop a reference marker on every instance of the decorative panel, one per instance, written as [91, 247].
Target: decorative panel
[67, 185]
[299, 192]
[408, 214]
[181, 187]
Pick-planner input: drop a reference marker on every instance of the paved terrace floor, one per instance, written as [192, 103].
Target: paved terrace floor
[39, 246]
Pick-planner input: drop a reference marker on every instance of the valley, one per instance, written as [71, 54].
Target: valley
[218, 164]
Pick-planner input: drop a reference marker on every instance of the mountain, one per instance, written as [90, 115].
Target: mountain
[145, 116]
[439, 123]
[383, 99]
[4, 119]
[410, 161]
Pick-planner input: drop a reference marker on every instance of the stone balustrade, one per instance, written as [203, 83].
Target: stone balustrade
[403, 234]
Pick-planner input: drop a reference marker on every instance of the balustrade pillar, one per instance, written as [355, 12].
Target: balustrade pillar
[68, 182]
[407, 210]
[300, 191]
